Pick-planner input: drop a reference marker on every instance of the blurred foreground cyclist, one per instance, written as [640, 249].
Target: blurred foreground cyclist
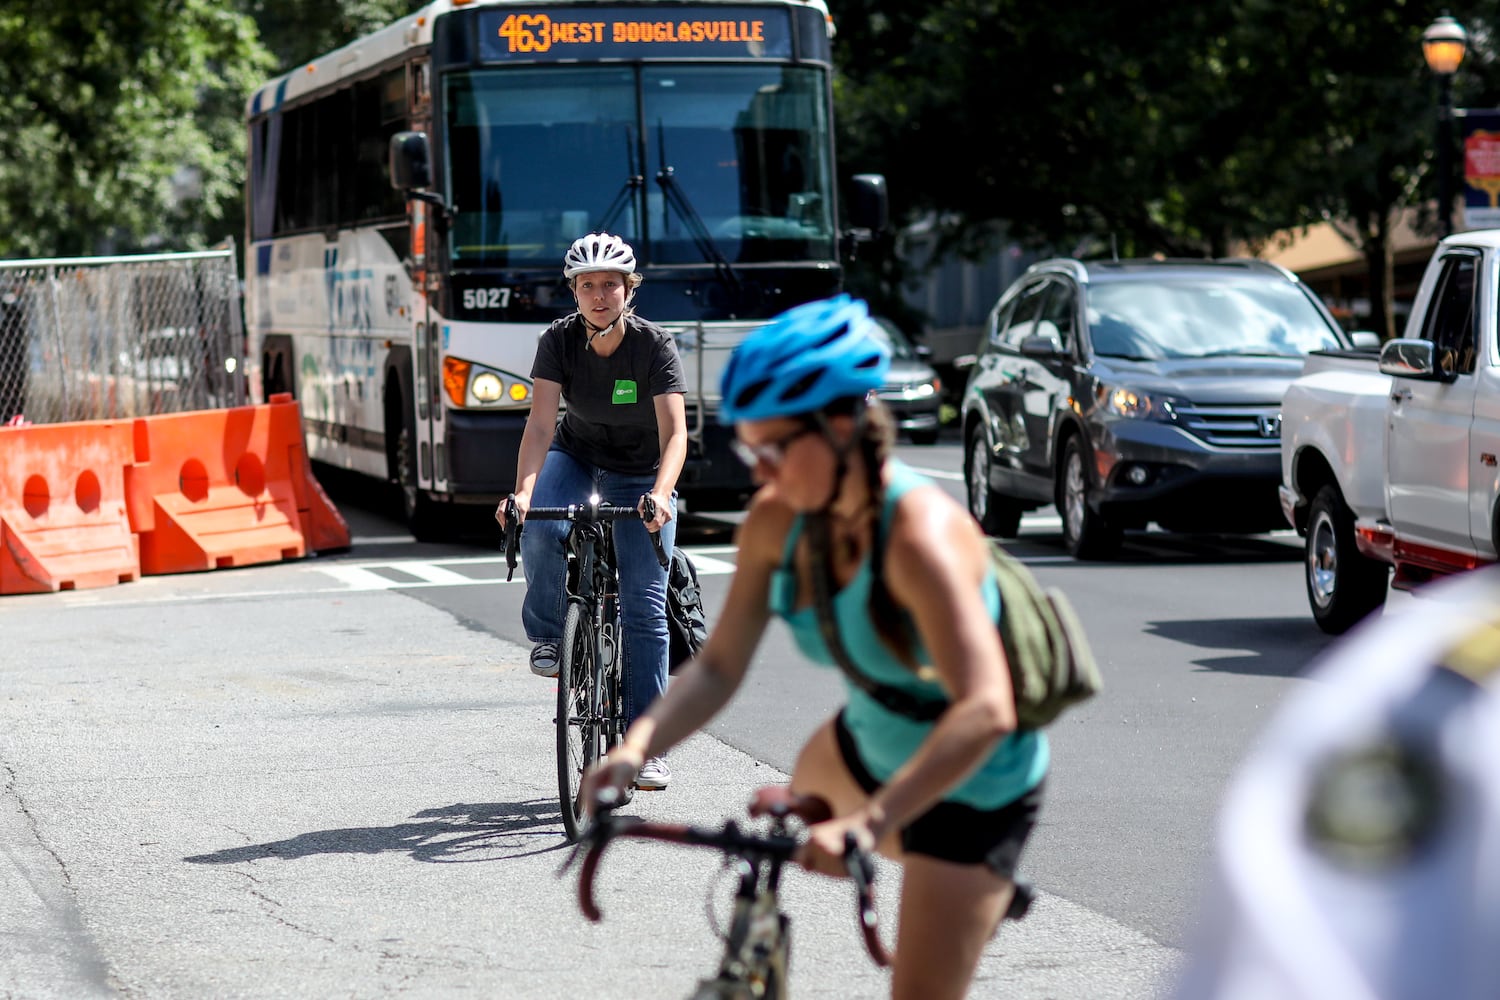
[902, 573]
[1359, 846]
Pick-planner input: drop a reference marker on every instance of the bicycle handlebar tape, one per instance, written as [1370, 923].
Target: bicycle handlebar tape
[64, 516]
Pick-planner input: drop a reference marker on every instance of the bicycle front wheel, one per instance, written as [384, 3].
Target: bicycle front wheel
[580, 729]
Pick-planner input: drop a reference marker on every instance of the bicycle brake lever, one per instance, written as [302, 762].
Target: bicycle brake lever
[512, 536]
[648, 513]
[861, 868]
[862, 871]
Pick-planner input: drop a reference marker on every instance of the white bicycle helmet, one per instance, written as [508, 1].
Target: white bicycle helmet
[598, 252]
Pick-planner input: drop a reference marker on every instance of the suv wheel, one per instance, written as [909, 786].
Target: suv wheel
[997, 515]
[1343, 585]
[1087, 534]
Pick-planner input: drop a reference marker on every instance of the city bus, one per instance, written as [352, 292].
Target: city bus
[410, 197]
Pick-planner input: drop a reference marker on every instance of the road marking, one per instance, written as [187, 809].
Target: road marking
[366, 576]
[358, 578]
[429, 573]
[957, 477]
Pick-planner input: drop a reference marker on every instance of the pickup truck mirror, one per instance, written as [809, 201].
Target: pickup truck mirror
[1365, 340]
[1410, 358]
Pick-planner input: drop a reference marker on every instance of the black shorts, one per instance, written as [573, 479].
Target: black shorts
[951, 831]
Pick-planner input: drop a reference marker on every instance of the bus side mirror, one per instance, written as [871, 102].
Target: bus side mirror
[410, 161]
[869, 205]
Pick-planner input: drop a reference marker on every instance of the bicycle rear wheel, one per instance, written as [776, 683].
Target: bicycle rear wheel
[580, 730]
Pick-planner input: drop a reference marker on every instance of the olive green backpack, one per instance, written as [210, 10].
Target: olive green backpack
[1051, 664]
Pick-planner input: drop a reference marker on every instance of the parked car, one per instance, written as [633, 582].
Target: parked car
[1138, 391]
[912, 390]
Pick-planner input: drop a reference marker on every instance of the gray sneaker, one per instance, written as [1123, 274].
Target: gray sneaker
[654, 775]
[544, 659]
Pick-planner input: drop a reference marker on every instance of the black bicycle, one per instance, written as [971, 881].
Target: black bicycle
[590, 716]
[757, 942]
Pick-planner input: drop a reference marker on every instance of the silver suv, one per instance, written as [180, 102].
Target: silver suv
[1138, 391]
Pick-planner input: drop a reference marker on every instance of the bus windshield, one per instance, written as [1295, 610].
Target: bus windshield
[735, 162]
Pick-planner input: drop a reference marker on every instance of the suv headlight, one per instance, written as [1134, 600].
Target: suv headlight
[1135, 404]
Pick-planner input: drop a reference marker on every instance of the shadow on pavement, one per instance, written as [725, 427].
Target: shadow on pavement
[464, 832]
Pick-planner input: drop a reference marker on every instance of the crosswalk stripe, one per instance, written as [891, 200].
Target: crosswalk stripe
[435, 572]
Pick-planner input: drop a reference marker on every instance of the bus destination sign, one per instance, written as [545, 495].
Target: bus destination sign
[557, 33]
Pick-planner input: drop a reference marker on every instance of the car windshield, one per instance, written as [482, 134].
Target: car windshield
[891, 336]
[1205, 317]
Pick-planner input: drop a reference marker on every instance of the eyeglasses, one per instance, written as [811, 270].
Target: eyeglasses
[772, 453]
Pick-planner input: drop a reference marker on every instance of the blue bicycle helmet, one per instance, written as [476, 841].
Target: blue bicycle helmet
[803, 360]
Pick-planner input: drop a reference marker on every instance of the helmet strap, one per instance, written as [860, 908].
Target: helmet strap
[598, 331]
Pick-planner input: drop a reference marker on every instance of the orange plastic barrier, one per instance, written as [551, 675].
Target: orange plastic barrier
[219, 488]
[64, 520]
[323, 527]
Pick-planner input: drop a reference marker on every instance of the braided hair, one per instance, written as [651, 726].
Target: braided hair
[876, 440]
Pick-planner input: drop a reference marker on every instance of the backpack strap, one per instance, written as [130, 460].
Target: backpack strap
[898, 701]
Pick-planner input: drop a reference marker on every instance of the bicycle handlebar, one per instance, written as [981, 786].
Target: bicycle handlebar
[593, 512]
[731, 841]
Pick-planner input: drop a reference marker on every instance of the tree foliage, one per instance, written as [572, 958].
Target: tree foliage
[297, 31]
[1146, 127]
[1155, 128]
[119, 123]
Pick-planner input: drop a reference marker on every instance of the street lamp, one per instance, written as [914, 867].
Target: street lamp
[1443, 46]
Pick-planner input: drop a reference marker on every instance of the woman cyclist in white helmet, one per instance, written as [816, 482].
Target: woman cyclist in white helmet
[625, 429]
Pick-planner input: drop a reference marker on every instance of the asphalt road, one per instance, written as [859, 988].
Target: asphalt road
[334, 777]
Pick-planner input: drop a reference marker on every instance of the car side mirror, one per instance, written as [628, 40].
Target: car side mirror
[1365, 340]
[964, 362]
[1042, 345]
[1410, 358]
[922, 351]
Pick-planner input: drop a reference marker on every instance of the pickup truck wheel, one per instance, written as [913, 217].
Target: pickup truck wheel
[1343, 585]
[1087, 534]
[997, 515]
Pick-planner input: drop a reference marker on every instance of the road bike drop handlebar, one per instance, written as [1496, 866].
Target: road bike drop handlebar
[732, 842]
[593, 512]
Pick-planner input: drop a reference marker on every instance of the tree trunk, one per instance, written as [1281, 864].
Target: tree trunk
[1380, 272]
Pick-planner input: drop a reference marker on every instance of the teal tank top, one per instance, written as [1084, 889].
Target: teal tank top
[885, 739]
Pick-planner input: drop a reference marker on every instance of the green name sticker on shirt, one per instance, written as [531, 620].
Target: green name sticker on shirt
[624, 390]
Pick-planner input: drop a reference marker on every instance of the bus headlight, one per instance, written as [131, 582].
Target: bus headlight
[487, 387]
[468, 384]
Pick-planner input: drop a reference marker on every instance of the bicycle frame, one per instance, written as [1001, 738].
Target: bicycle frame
[757, 946]
[590, 717]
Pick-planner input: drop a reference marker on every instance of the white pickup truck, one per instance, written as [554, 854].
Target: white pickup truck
[1390, 460]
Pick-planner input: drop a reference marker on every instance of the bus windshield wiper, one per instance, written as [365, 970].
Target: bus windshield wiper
[634, 181]
[676, 197]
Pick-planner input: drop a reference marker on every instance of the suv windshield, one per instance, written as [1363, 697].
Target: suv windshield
[1203, 317]
[889, 334]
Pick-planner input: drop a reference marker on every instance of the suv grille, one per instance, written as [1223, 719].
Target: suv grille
[1234, 426]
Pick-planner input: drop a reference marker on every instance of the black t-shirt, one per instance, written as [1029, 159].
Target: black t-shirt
[610, 420]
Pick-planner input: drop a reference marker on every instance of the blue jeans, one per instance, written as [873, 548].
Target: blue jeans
[643, 581]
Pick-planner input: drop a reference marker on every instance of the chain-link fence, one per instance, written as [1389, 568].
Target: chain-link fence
[92, 338]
